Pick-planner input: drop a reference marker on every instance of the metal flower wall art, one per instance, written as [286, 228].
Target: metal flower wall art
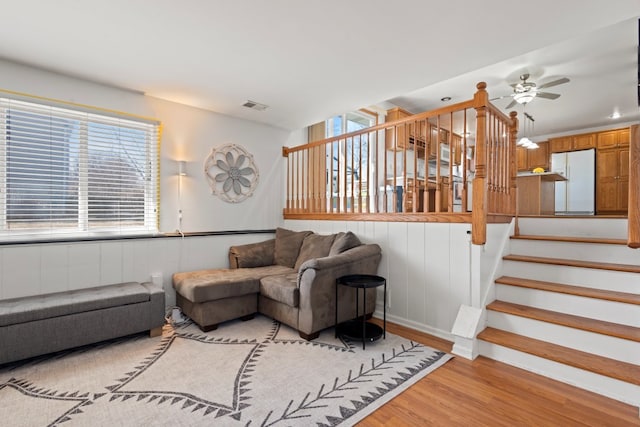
[231, 172]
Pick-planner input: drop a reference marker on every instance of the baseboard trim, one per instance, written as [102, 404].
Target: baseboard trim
[445, 335]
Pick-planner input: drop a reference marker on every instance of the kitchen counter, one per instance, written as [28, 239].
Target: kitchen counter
[536, 193]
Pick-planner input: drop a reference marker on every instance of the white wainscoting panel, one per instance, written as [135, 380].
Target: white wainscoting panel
[427, 267]
[55, 267]
[21, 272]
[416, 275]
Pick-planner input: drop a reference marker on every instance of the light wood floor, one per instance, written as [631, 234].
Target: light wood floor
[484, 392]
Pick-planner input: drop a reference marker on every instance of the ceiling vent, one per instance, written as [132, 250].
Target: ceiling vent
[255, 105]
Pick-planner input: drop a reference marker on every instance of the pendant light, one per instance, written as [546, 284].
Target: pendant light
[525, 141]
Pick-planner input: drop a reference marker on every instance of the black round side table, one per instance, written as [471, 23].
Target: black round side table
[355, 329]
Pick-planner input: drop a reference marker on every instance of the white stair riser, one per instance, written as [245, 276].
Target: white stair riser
[616, 254]
[610, 228]
[589, 277]
[593, 308]
[589, 342]
[615, 389]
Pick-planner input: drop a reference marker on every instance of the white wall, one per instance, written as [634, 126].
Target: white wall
[45, 268]
[188, 134]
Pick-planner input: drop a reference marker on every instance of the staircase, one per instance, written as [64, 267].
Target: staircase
[567, 305]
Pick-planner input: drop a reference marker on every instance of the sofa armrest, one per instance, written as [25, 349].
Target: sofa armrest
[317, 285]
[352, 257]
[252, 255]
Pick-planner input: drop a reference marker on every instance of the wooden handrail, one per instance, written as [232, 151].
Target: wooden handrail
[633, 240]
[383, 126]
[416, 168]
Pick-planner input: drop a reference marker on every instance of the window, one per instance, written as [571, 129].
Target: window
[72, 171]
[350, 156]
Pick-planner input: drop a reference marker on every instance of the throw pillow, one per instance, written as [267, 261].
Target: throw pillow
[314, 246]
[287, 247]
[343, 242]
[252, 255]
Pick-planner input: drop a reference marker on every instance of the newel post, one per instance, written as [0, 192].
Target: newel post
[479, 196]
[633, 215]
[513, 167]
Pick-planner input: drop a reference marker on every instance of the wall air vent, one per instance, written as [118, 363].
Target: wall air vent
[255, 105]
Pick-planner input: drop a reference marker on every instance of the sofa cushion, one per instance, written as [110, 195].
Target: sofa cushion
[314, 246]
[208, 285]
[282, 288]
[252, 255]
[343, 242]
[29, 309]
[287, 246]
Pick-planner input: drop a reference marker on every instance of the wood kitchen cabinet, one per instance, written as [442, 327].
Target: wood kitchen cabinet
[528, 160]
[536, 193]
[441, 137]
[397, 138]
[412, 189]
[572, 143]
[612, 181]
[613, 138]
[405, 136]
[521, 159]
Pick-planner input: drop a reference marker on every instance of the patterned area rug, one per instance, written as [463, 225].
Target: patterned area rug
[255, 373]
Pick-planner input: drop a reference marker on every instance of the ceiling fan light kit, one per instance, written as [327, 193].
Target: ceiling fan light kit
[525, 91]
[523, 98]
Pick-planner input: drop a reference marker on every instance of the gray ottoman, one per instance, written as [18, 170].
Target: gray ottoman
[210, 297]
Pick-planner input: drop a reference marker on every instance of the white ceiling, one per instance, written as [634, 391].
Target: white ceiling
[309, 60]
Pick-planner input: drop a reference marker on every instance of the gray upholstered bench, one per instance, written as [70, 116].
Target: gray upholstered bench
[41, 324]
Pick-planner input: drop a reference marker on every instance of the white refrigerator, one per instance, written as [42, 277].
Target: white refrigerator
[576, 195]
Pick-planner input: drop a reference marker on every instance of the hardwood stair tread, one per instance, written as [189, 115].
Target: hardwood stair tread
[611, 368]
[629, 268]
[582, 291]
[577, 322]
[571, 239]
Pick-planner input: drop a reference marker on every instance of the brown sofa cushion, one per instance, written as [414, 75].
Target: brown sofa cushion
[282, 288]
[287, 246]
[252, 255]
[314, 246]
[343, 242]
[208, 285]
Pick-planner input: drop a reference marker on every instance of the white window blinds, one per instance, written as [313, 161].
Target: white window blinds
[79, 172]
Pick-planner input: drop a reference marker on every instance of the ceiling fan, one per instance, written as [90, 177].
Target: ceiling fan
[525, 91]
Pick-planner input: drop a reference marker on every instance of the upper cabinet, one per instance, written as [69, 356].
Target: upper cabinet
[539, 158]
[530, 159]
[613, 138]
[414, 134]
[572, 143]
[404, 136]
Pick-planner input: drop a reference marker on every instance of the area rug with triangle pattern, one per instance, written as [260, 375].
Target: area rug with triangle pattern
[254, 373]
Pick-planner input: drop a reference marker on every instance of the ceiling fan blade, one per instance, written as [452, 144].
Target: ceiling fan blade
[547, 95]
[501, 97]
[511, 104]
[554, 83]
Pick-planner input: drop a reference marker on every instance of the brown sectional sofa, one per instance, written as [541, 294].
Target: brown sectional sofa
[290, 278]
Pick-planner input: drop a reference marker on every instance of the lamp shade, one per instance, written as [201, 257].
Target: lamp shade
[182, 168]
[524, 97]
